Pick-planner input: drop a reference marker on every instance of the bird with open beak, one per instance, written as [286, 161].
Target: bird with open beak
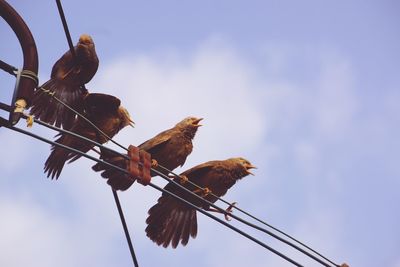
[68, 76]
[171, 221]
[104, 111]
[169, 149]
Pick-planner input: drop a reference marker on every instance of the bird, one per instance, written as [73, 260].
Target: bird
[104, 111]
[171, 221]
[68, 75]
[169, 150]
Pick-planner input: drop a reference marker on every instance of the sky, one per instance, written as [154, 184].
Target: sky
[308, 91]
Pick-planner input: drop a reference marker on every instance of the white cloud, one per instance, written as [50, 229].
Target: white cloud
[31, 234]
[214, 83]
[284, 127]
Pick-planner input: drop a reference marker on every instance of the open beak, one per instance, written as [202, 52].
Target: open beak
[131, 123]
[196, 122]
[249, 167]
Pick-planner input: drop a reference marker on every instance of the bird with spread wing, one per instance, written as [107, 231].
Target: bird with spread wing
[104, 111]
[171, 221]
[68, 75]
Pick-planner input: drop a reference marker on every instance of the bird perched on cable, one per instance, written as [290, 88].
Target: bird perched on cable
[168, 149]
[68, 76]
[171, 221]
[104, 111]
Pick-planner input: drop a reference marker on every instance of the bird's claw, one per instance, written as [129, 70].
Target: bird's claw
[29, 121]
[183, 179]
[229, 210]
[204, 191]
[154, 163]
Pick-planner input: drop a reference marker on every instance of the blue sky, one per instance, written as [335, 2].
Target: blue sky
[307, 91]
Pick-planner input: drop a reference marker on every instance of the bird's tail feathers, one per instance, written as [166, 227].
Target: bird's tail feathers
[116, 179]
[171, 222]
[55, 162]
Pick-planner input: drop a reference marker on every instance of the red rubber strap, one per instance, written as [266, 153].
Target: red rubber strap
[145, 158]
[133, 166]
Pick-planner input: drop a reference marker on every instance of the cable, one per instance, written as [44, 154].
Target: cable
[244, 212]
[68, 36]
[71, 47]
[247, 223]
[62, 15]
[253, 217]
[227, 225]
[179, 185]
[128, 238]
[211, 204]
[81, 116]
[6, 107]
[8, 68]
[219, 198]
[5, 123]
[65, 25]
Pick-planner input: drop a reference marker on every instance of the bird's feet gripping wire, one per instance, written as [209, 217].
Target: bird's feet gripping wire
[226, 212]
[154, 163]
[203, 192]
[183, 179]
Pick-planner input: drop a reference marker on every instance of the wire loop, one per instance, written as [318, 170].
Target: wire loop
[30, 75]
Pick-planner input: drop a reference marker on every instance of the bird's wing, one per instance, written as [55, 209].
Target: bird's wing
[154, 144]
[197, 174]
[200, 170]
[101, 103]
[63, 66]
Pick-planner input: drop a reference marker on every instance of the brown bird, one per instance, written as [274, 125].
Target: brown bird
[67, 77]
[171, 221]
[106, 112]
[169, 149]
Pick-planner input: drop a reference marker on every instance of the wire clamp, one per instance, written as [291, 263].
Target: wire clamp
[133, 165]
[145, 159]
[139, 165]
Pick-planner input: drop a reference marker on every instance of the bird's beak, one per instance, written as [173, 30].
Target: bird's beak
[131, 123]
[249, 167]
[196, 122]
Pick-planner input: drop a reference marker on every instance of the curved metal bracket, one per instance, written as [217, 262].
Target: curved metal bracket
[25, 86]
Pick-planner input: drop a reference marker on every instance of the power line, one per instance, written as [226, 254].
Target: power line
[62, 15]
[8, 68]
[116, 198]
[5, 123]
[250, 224]
[65, 26]
[69, 39]
[253, 217]
[128, 238]
[212, 204]
[165, 177]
